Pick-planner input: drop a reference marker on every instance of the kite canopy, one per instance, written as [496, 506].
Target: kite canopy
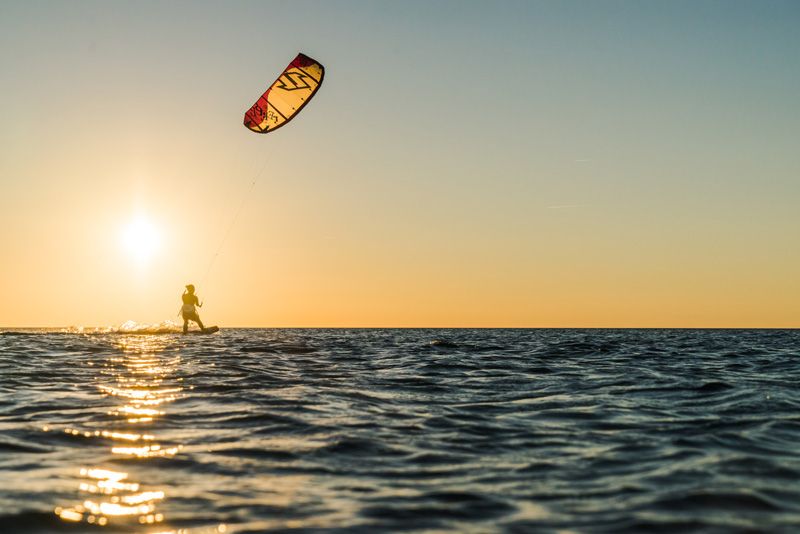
[287, 95]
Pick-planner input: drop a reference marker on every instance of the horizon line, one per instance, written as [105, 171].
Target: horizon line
[11, 328]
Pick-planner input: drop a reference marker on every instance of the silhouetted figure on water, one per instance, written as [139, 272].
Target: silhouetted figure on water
[188, 310]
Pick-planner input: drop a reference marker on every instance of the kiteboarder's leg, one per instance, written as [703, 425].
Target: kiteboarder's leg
[191, 317]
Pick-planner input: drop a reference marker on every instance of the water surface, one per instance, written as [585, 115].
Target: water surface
[400, 430]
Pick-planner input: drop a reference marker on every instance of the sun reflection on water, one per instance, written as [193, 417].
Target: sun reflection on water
[145, 382]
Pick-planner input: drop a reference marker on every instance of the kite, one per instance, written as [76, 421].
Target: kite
[287, 95]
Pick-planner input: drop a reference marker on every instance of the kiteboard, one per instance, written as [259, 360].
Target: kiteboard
[207, 330]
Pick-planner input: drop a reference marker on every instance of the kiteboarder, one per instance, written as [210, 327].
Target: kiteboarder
[188, 310]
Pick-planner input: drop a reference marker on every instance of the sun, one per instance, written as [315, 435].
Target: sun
[140, 239]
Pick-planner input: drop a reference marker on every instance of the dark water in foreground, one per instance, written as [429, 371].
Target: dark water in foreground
[387, 430]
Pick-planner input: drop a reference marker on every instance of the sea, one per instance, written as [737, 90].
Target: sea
[399, 430]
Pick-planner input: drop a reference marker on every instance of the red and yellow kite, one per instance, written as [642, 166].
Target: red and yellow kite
[284, 99]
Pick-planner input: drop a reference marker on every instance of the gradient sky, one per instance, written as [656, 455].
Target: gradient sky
[520, 164]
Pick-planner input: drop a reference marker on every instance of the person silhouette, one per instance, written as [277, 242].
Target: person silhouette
[188, 310]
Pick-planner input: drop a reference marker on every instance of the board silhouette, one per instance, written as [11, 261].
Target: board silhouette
[206, 330]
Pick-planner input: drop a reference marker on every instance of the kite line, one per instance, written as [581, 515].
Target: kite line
[235, 218]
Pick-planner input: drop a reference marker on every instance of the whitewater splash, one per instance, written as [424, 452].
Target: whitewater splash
[128, 327]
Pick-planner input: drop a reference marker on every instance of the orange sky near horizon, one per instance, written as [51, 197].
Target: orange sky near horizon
[626, 173]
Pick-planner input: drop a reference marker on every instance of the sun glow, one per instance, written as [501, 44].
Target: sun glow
[140, 239]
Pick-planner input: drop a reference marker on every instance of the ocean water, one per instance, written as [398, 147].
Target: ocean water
[324, 430]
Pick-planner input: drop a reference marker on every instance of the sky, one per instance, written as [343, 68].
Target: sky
[464, 164]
